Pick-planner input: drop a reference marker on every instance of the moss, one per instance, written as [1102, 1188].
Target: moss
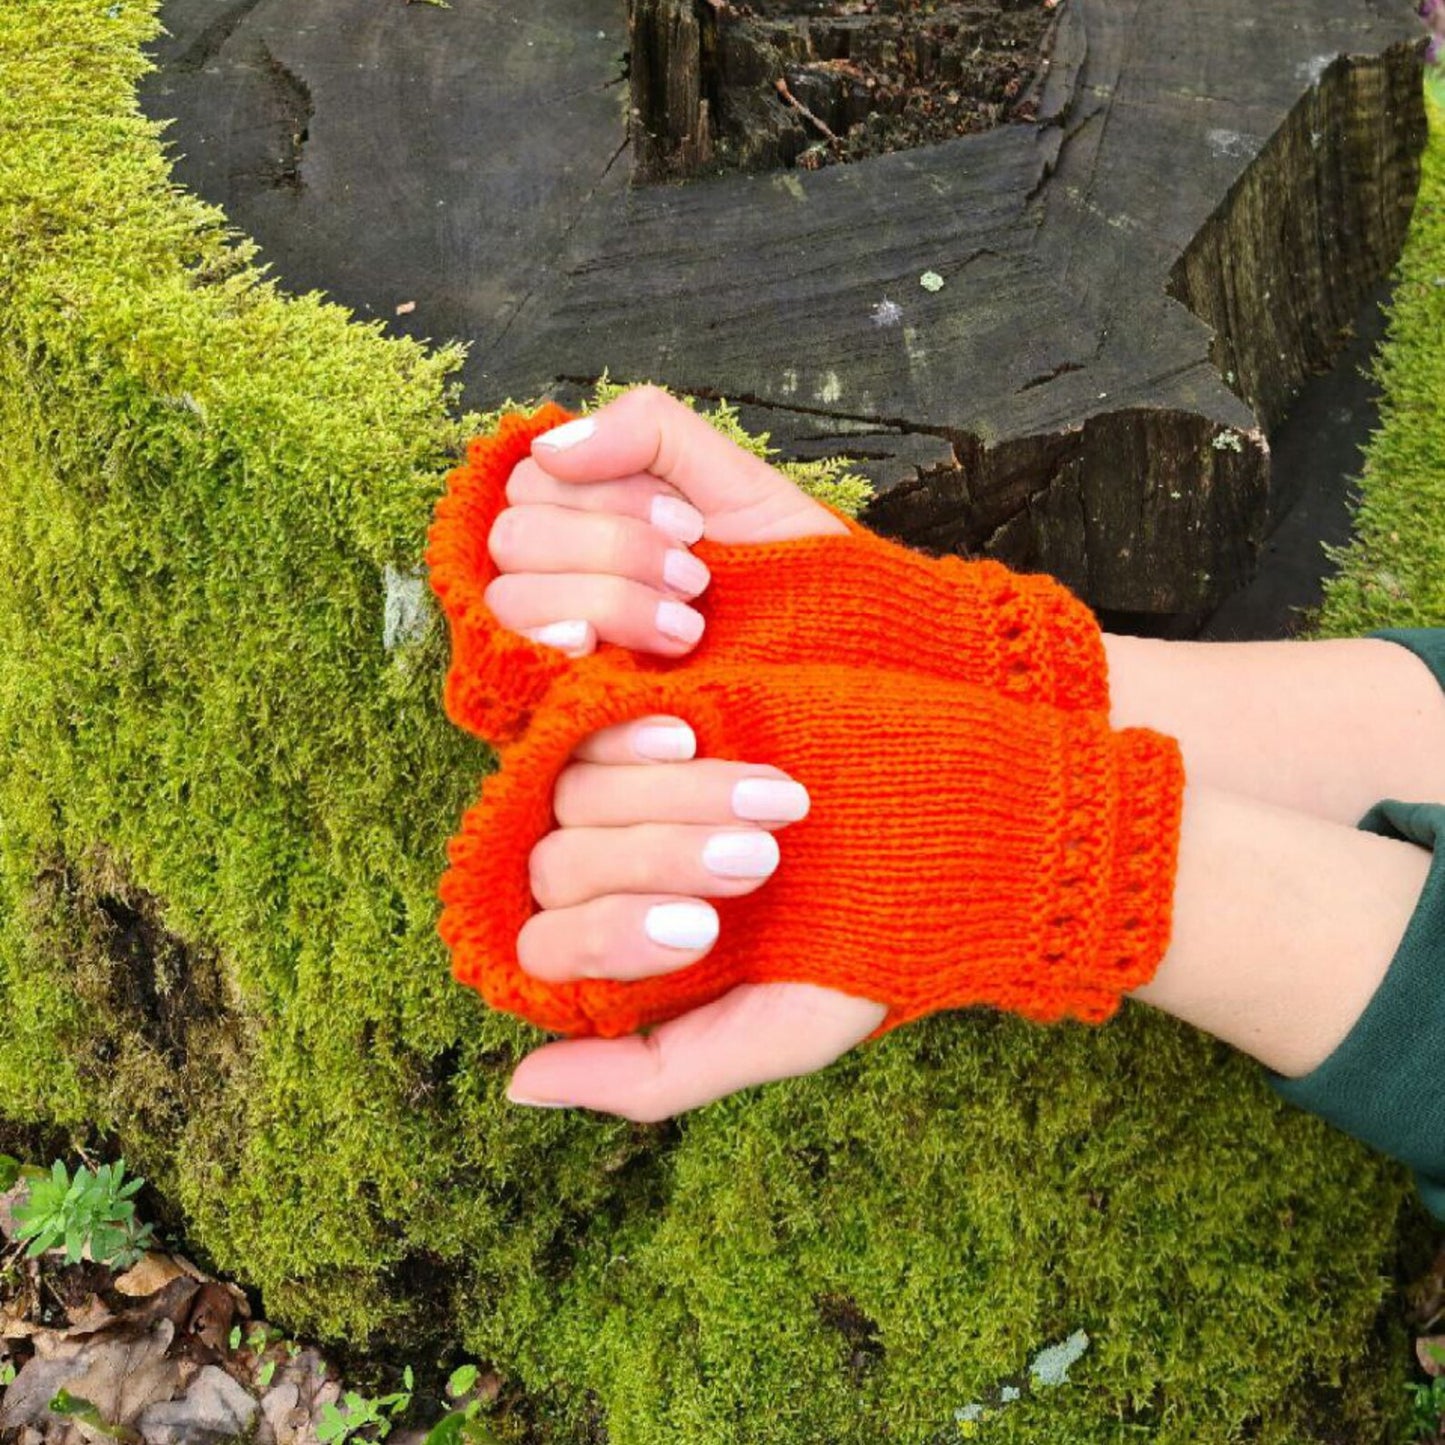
[1393, 572]
[217, 779]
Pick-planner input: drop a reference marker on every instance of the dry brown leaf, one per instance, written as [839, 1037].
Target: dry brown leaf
[124, 1377]
[214, 1409]
[195, 1272]
[212, 1311]
[119, 1374]
[1430, 1351]
[155, 1271]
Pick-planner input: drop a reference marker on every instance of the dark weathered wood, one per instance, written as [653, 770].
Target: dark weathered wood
[671, 132]
[1133, 287]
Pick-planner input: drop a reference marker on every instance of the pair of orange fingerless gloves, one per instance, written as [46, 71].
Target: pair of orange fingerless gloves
[978, 833]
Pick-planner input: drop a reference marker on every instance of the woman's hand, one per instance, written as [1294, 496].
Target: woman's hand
[623, 883]
[594, 542]
[593, 545]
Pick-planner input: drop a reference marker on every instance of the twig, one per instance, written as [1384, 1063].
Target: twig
[792, 100]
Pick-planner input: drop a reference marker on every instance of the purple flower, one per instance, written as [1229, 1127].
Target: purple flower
[1434, 51]
[1428, 8]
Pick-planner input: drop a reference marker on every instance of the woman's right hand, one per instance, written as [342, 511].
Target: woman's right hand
[593, 543]
[625, 883]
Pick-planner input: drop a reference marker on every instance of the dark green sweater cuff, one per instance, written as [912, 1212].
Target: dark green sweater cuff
[1383, 1083]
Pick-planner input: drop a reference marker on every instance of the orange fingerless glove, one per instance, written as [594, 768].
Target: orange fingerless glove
[858, 600]
[967, 843]
[962, 848]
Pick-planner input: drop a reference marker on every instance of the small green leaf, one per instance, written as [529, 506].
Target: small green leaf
[9, 1171]
[462, 1379]
[234, 1338]
[264, 1374]
[447, 1430]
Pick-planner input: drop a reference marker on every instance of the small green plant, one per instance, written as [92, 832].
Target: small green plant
[93, 1209]
[9, 1171]
[1427, 1415]
[77, 1407]
[336, 1426]
[461, 1427]
[7, 1374]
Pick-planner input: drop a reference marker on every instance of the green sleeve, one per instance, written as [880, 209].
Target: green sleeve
[1382, 1084]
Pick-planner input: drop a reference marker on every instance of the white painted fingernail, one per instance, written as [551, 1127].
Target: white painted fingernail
[536, 1103]
[569, 434]
[664, 743]
[740, 855]
[677, 519]
[766, 800]
[675, 619]
[570, 637]
[681, 925]
[685, 573]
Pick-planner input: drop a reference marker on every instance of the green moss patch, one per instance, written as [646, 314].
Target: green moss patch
[224, 803]
[1393, 573]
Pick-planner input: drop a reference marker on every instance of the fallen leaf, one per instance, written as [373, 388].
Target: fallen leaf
[1430, 1351]
[119, 1374]
[211, 1314]
[214, 1409]
[122, 1377]
[154, 1271]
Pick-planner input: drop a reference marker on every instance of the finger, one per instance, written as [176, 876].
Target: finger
[591, 795]
[620, 610]
[753, 1035]
[548, 540]
[740, 495]
[620, 937]
[575, 638]
[573, 865]
[648, 740]
[645, 497]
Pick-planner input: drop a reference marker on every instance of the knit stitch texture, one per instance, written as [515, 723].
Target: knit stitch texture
[858, 599]
[967, 844]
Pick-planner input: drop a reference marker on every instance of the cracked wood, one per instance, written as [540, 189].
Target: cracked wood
[1133, 287]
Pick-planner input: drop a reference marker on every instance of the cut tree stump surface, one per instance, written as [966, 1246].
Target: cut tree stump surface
[1133, 288]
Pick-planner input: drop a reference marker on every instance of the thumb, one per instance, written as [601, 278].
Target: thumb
[741, 498]
[753, 1035]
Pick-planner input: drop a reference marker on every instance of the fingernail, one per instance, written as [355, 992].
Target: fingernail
[681, 925]
[569, 434]
[567, 636]
[685, 573]
[766, 800]
[536, 1103]
[740, 855]
[677, 519]
[675, 619]
[664, 743]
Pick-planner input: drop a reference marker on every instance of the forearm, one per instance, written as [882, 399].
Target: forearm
[1284, 925]
[1327, 728]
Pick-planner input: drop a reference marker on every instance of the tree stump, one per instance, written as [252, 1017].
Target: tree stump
[1133, 284]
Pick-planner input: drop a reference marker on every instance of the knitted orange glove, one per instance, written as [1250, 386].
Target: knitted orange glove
[856, 599]
[1045, 842]
[962, 848]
